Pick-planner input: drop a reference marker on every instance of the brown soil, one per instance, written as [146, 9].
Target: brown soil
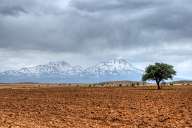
[95, 107]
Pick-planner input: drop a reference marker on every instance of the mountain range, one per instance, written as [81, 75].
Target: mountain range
[62, 72]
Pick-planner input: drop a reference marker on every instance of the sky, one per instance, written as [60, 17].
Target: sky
[84, 32]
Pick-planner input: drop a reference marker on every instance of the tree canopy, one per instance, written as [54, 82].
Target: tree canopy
[159, 72]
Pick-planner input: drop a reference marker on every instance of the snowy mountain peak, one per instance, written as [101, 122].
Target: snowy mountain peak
[117, 60]
[117, 63]
[51, 67]
[112, 67]
[63, 63]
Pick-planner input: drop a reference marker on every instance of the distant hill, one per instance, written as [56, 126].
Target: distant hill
[123, 83]
[183, 82]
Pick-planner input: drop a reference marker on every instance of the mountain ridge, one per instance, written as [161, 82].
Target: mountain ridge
[113, 69]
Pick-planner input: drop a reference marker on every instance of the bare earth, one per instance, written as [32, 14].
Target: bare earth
[102, 107]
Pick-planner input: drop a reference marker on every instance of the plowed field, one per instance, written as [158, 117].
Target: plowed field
[95, 107]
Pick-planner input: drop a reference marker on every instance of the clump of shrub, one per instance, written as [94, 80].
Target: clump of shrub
[102, 84]
[143, 83]
[132, 84]
[59, 84]
[120, 85]
[137, 83]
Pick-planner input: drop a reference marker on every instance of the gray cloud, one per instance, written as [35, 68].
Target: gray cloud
[137, 29]
[113, 5]
[15, 10]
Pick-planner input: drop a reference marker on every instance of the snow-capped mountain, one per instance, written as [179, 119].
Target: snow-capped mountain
[52, 68]
[114, 69]
[113, 66]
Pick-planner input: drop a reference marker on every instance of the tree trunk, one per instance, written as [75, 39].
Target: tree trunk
[158, 84]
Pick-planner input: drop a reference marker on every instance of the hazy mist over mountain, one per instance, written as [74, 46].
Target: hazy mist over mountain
[86, 32]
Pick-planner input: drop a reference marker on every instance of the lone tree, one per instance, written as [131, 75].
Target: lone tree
[159, 72]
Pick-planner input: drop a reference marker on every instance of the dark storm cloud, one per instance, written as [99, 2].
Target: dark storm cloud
[94, 24]
[87, 27]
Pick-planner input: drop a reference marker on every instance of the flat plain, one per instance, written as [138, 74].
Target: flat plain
[60, 106]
